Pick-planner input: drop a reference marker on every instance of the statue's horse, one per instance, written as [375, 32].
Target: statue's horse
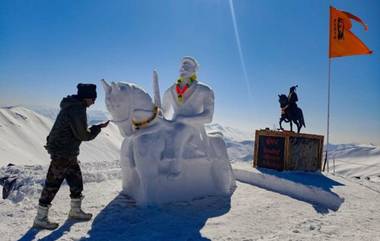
[290, 115]
[160, 156]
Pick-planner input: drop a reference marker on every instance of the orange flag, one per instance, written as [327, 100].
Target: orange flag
[342, 41]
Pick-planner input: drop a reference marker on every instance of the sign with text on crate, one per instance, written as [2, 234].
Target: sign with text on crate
[286, 150]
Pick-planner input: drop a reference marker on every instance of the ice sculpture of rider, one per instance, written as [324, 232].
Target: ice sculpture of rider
[190, 101]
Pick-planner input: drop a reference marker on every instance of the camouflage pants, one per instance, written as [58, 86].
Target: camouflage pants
[59, 170]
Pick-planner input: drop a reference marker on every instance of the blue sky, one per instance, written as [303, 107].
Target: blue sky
[47, 47]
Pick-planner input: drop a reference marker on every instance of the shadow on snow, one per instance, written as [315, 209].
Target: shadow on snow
[122, 220]
[54, 235]
[315, 179]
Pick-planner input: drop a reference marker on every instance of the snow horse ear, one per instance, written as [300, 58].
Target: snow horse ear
[115, 86]
[107, 87]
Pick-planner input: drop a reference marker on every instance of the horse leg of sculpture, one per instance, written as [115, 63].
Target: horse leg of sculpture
[298, 126]
[281, 119]
[147, 153]
[300, 117]
[131, 178]
[291, 125]
[221, 169]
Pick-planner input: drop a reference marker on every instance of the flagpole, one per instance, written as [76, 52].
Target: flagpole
[328, 117]
[341, 48]
[328, 97]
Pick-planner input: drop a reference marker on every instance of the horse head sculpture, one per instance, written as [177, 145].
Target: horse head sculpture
[128, 105]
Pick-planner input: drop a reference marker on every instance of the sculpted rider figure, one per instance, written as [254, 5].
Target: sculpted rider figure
[188, 100]
[292, 99]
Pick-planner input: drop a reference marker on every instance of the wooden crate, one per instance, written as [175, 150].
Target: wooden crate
[285, 150]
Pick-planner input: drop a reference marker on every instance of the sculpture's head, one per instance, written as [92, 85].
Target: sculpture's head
[189, 67]
[293, 88]
[126, 102]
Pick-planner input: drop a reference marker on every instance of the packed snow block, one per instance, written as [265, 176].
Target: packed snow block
[159, 167]
[285, 150]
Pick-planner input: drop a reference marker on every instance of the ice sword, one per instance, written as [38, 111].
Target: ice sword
[156, 90]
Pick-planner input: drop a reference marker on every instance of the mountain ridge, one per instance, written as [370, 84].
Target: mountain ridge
[23, 134]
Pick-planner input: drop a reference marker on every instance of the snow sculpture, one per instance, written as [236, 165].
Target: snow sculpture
[164, 160]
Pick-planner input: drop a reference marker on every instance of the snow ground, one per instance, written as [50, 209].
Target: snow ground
[276, 211]
[267, 205]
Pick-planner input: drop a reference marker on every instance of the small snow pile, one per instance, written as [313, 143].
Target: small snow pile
[24, 182]
[166, 160]
[100, 171]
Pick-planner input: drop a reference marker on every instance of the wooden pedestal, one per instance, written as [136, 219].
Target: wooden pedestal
[285, 150]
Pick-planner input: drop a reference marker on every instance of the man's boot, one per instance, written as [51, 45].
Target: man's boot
[42, 221]
[76, 211]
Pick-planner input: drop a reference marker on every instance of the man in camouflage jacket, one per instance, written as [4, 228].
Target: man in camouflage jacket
[69, 130]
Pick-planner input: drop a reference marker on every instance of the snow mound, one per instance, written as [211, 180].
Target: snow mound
[285, 184]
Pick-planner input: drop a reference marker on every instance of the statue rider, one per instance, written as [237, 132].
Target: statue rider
[292, 99]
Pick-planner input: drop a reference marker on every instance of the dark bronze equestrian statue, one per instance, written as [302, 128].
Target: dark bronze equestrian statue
[290, 112]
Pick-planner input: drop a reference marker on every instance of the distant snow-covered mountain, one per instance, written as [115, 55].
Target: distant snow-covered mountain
[355, 160]
[352, 150]
[94, 116]
[23, 136]
[24, 130]
[230, 133]
[239, 143]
